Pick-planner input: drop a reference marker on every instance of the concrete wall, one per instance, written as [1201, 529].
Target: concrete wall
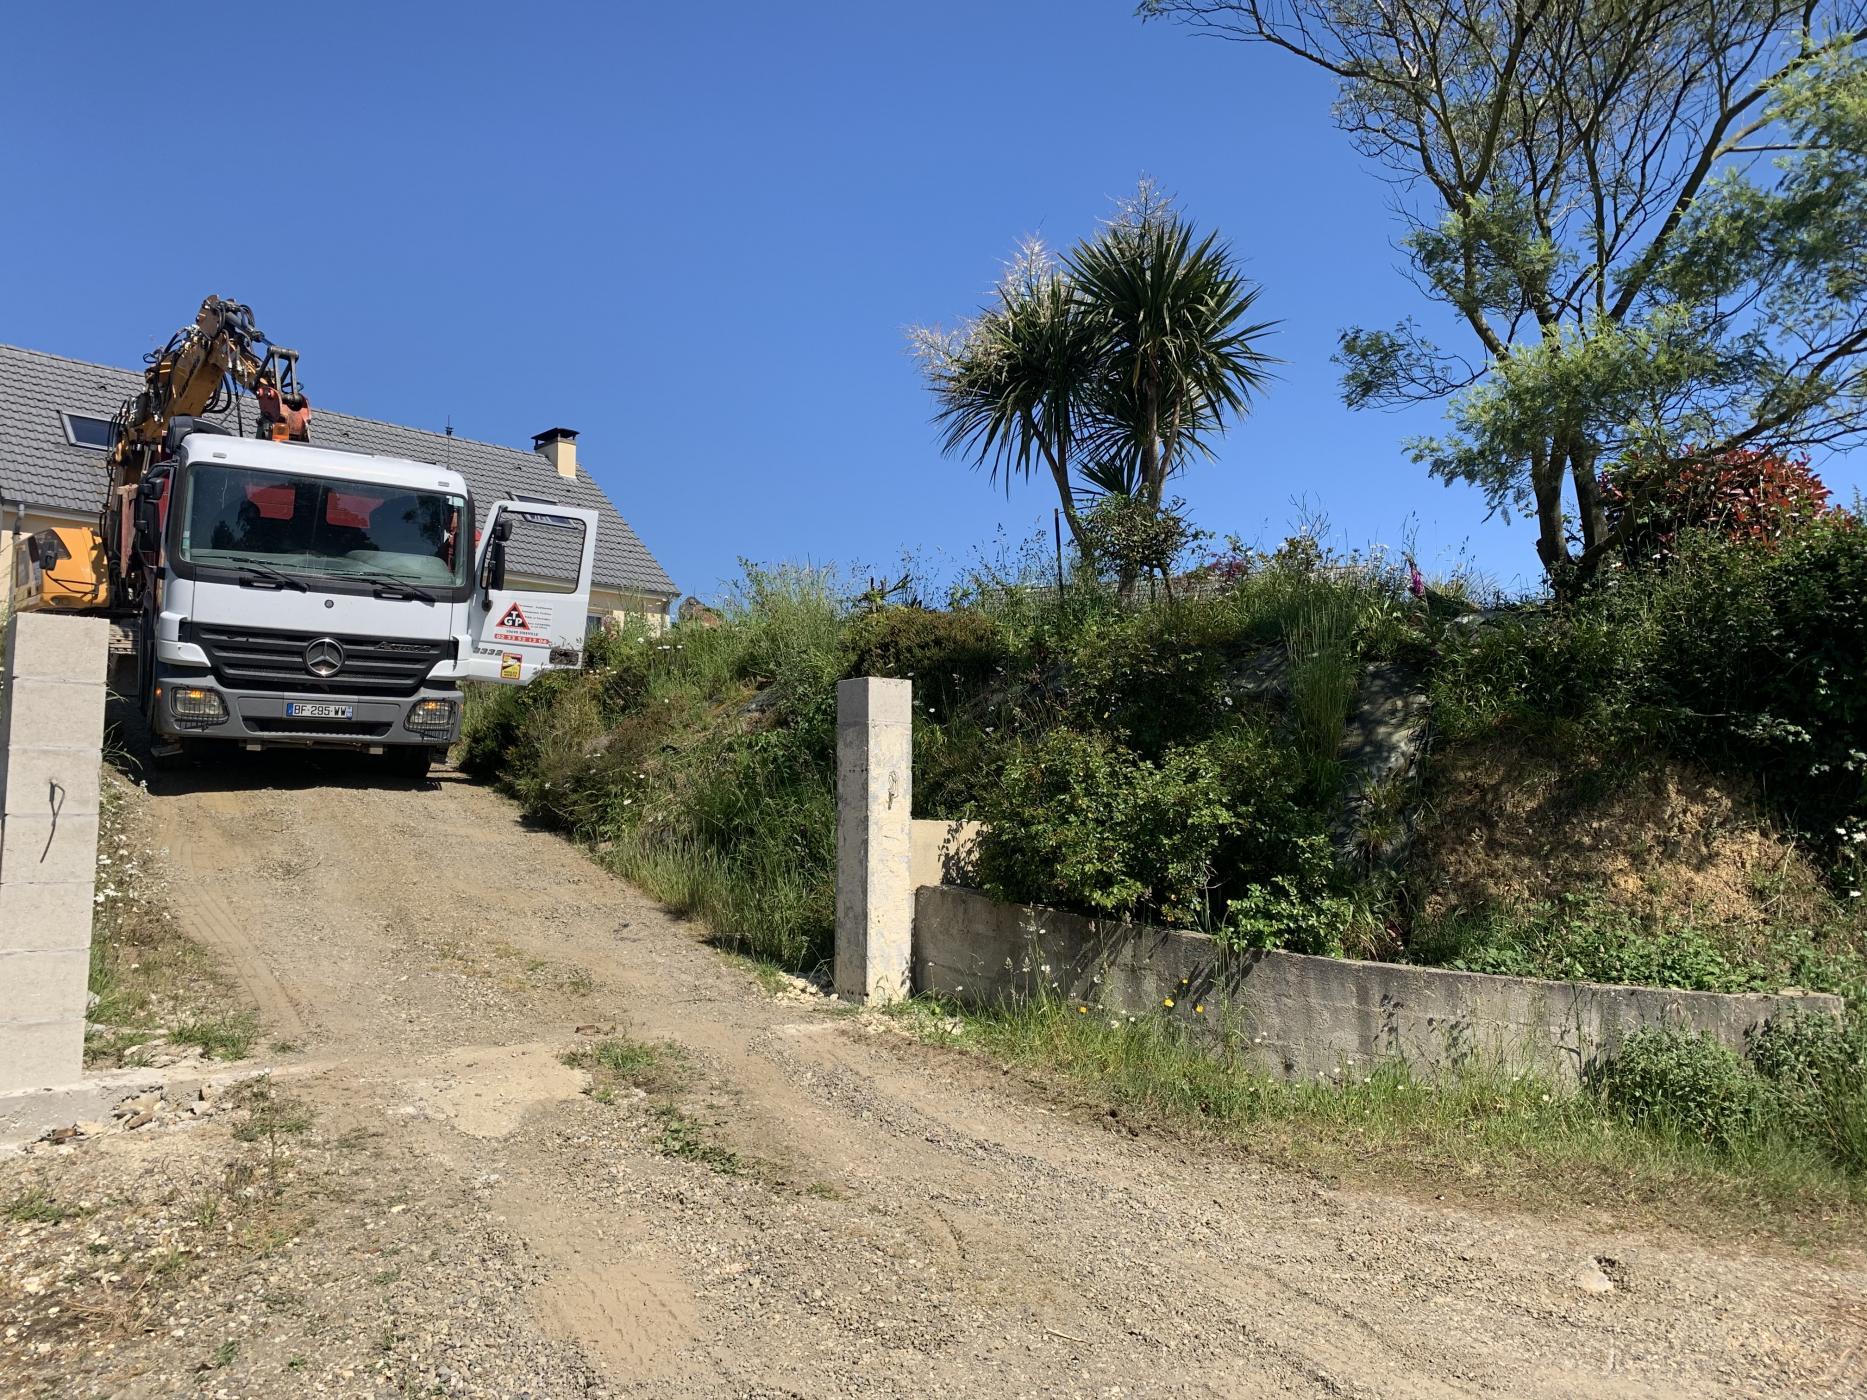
[1288, 1014]
[51, 728]
[944, 853]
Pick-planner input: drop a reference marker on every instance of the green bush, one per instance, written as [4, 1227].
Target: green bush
[1680, 1082]
[1077, 820]
[948, 655]
[1126, 771]
[1581, 938]
[1298, 911]
[1751, 657]
[1800, 1087]
[489, 725]
[1153, 677]
[1815, 1070]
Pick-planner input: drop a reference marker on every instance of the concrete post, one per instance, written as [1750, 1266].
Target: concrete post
[874, 838]
[51, 731]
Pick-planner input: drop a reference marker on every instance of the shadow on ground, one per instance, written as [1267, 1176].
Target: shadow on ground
[230, 768]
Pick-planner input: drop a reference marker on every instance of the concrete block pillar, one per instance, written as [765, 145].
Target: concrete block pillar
[51, 732]
[874, 838]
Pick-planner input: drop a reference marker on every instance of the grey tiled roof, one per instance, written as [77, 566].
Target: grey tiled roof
[40, 468]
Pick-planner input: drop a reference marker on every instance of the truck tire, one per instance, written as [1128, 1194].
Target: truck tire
[183, 756]
[410, 763]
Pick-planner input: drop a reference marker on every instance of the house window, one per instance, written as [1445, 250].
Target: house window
[84, 431]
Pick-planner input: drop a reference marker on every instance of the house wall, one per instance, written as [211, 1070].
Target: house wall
[620, 607]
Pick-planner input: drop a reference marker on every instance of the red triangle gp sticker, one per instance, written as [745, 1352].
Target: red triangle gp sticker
[515, 619]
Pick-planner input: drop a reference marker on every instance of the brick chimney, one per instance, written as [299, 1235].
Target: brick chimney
[558, 446]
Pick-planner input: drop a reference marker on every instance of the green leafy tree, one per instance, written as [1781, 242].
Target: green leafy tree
[1139, 539]
[1110, 367]
[1649, 215]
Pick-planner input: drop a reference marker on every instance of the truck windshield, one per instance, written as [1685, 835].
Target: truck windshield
[236, 517]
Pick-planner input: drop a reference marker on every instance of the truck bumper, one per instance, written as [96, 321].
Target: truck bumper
[262, 718]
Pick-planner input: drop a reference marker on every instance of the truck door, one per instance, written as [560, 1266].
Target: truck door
[532, 590]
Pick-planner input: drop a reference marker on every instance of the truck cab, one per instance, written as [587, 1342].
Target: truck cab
[307, 597]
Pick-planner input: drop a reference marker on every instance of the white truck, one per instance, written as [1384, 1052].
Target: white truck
[272, 593]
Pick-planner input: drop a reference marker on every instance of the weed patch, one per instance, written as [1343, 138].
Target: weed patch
[618, 1063]
[1485, 1134]
[678, 1135]
[152, 983]
[37, 1206]
[228, 1037]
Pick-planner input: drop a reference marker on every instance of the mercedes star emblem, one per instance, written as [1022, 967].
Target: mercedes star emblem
[324, 657]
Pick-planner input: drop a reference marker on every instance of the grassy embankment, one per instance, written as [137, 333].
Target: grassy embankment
[1652, 813]
[157, 991]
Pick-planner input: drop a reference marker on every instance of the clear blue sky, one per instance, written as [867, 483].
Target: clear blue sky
[695, 233]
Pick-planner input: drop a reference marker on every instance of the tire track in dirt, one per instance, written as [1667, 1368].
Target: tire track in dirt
[207, 865]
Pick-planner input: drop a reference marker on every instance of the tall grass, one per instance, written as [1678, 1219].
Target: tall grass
[1486, 1131]
[1319, 636]
[699, 762]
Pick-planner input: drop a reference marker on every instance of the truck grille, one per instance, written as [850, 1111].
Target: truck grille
[250, 659]
[318, 728]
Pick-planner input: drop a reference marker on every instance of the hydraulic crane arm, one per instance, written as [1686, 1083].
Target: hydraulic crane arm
[202, 370]
[192, 375]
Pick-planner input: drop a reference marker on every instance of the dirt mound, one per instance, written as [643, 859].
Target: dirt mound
[1507, 823]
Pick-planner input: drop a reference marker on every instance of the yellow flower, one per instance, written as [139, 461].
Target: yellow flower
[1166, 1001]
[1199, 1010]
[1082, 1011]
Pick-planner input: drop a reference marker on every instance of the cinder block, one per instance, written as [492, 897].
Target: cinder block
[48, 850]
[43, 986]
[52, 647]
[35, 917]
[40, 1055]
[53, 714]
[31, 780]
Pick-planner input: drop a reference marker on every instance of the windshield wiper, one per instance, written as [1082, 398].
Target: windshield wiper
[258, 568]
[392, 586]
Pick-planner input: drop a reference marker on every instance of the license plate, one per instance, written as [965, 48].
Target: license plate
[316, 709]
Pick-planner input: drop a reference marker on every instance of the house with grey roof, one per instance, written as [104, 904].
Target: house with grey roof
[54, 428]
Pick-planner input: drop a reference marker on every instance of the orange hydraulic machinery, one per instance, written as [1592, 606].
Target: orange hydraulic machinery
[202, 370]
[62, 569]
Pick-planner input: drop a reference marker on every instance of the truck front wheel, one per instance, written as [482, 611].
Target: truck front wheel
[410, 763]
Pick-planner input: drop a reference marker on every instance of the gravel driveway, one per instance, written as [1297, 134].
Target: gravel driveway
[819, 1206]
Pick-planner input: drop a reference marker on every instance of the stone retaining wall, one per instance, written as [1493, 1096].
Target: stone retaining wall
[1289, 1014]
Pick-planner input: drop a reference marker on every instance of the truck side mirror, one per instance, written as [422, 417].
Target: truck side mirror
[493, 559]
[148, 514]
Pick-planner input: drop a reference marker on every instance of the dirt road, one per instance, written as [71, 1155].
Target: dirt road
[834, 1210]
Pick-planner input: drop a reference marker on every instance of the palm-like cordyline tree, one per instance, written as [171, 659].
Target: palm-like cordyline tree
[1010, 383]
[1115, 365]
[1176, 356]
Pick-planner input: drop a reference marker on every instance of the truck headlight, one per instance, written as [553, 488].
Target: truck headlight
[430, 716]
[193, 705]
